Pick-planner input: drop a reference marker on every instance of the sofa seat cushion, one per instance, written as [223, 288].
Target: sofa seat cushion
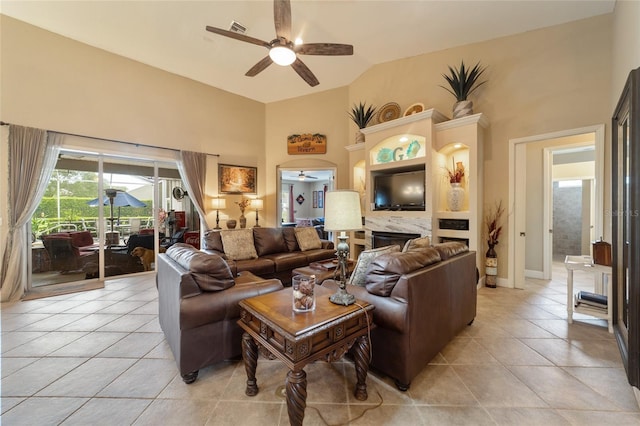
[317, 255]
[308, 238]
[365, 258]
[261, 266]
[238, 244]
[269, 240]
[287, 261]
[450, 249]
[209, 271]
[384, 271]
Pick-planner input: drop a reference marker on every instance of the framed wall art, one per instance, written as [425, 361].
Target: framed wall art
[315, 199]
[320, 199]
[237, 179]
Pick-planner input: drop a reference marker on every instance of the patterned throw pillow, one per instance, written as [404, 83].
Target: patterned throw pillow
[359, 273]
[238, 244]
[308, 238]
[416, 243]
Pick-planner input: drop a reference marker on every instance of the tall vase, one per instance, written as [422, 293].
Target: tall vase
[243, 221]
[462, 109]
[491, 265]
[455, 197]
[359, 137]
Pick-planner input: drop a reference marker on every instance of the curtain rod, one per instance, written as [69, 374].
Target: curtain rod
[3, 123]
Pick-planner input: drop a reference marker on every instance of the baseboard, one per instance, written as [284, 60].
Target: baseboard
[528, 273]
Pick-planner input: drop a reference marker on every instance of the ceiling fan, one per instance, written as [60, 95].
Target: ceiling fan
[302, 176]
[281, 50]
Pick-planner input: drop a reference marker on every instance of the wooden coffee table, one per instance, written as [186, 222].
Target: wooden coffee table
[297, 339]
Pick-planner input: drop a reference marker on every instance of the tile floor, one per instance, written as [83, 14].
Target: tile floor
[99, 358]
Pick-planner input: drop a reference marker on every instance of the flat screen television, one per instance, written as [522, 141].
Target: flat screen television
[399, 191]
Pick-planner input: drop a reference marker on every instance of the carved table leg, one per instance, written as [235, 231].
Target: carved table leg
[250, 356]
[296, 396]
[361, 357]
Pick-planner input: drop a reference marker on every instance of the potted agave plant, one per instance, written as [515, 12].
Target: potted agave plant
[463, 81]
[361, 115]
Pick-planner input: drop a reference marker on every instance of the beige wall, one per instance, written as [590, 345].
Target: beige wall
[52, 82]
[324, 112]
[538, 82]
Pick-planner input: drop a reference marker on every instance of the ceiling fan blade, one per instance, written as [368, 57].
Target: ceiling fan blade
[282, 18]
[238, 36]
[328, 49]
[304, 72]
[260, 66]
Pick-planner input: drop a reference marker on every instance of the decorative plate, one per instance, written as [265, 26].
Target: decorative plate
[385, 155]
[388, 112]
[414, 109]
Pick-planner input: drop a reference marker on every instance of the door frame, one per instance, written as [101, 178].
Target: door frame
[515, 269]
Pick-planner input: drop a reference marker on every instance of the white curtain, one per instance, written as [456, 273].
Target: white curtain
[193, 171]
[32, 157]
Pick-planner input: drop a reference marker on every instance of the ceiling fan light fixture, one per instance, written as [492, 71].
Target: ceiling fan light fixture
[282, 55]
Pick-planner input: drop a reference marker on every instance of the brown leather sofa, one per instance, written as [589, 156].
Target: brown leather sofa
[278, 253]
[423, 299]
[198, 306]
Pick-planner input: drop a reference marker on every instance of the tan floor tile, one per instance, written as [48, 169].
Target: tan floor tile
[525, 328]
[512, 352]
[446, 416]
[13, 322]
[496, 386]
[103, 411]
[440, 385]
[563, 353]
[91, 322]
[127, 323]
[559, 389]
[145, 379]
[527, 416]
[609, 382]
[14, 339]
[599, 418]
[466, 351]
[210, 385]
[134, 345]
[249, 413]
[176, 412]
[385, 415]
[42, 411]
[90, 344]
[35, 376]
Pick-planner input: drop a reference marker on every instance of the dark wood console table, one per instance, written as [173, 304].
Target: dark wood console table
[298, 339]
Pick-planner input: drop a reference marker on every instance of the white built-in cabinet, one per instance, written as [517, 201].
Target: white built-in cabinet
[427, 140]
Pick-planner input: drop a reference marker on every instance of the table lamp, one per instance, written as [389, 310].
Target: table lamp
[342, 213]
[257, 204]
[218, 204]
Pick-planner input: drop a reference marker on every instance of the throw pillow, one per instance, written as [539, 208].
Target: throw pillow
[416, 243]
[359, 272]
[238, 244]
[308, 238]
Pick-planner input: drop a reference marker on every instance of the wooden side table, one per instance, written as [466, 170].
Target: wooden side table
[298, 339]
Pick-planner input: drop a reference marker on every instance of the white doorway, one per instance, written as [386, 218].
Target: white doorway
[531, 227]
[301, 194]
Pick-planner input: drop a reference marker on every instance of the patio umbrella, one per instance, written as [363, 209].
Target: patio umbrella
[116, 198]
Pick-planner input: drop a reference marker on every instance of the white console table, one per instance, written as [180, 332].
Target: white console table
[602, 275]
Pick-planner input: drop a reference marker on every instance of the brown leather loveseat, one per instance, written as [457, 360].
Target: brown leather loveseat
[198, 306]
[423, 298]
[274, 252]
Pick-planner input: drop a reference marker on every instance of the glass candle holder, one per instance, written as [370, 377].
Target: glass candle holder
[304, 299]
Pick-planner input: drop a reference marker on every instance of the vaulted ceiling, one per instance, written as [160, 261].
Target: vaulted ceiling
[171, 35]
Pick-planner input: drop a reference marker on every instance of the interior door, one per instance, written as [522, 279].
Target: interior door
[520, 213]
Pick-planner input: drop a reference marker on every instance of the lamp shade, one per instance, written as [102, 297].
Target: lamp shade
[342, 211]
[219, 203]
[257, 204]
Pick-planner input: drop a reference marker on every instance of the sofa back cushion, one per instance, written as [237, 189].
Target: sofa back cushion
[417, 243]
[364, 259]
[209, 271]
[308, 238]
[238, 244]
[212, 241]
[269, 240]
[385, 270]
[290, 239]
[450, 249]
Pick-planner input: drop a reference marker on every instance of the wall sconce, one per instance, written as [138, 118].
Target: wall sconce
[218, 204]
[257, 204]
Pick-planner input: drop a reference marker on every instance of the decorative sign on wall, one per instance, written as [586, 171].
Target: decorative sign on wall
[307, 143]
